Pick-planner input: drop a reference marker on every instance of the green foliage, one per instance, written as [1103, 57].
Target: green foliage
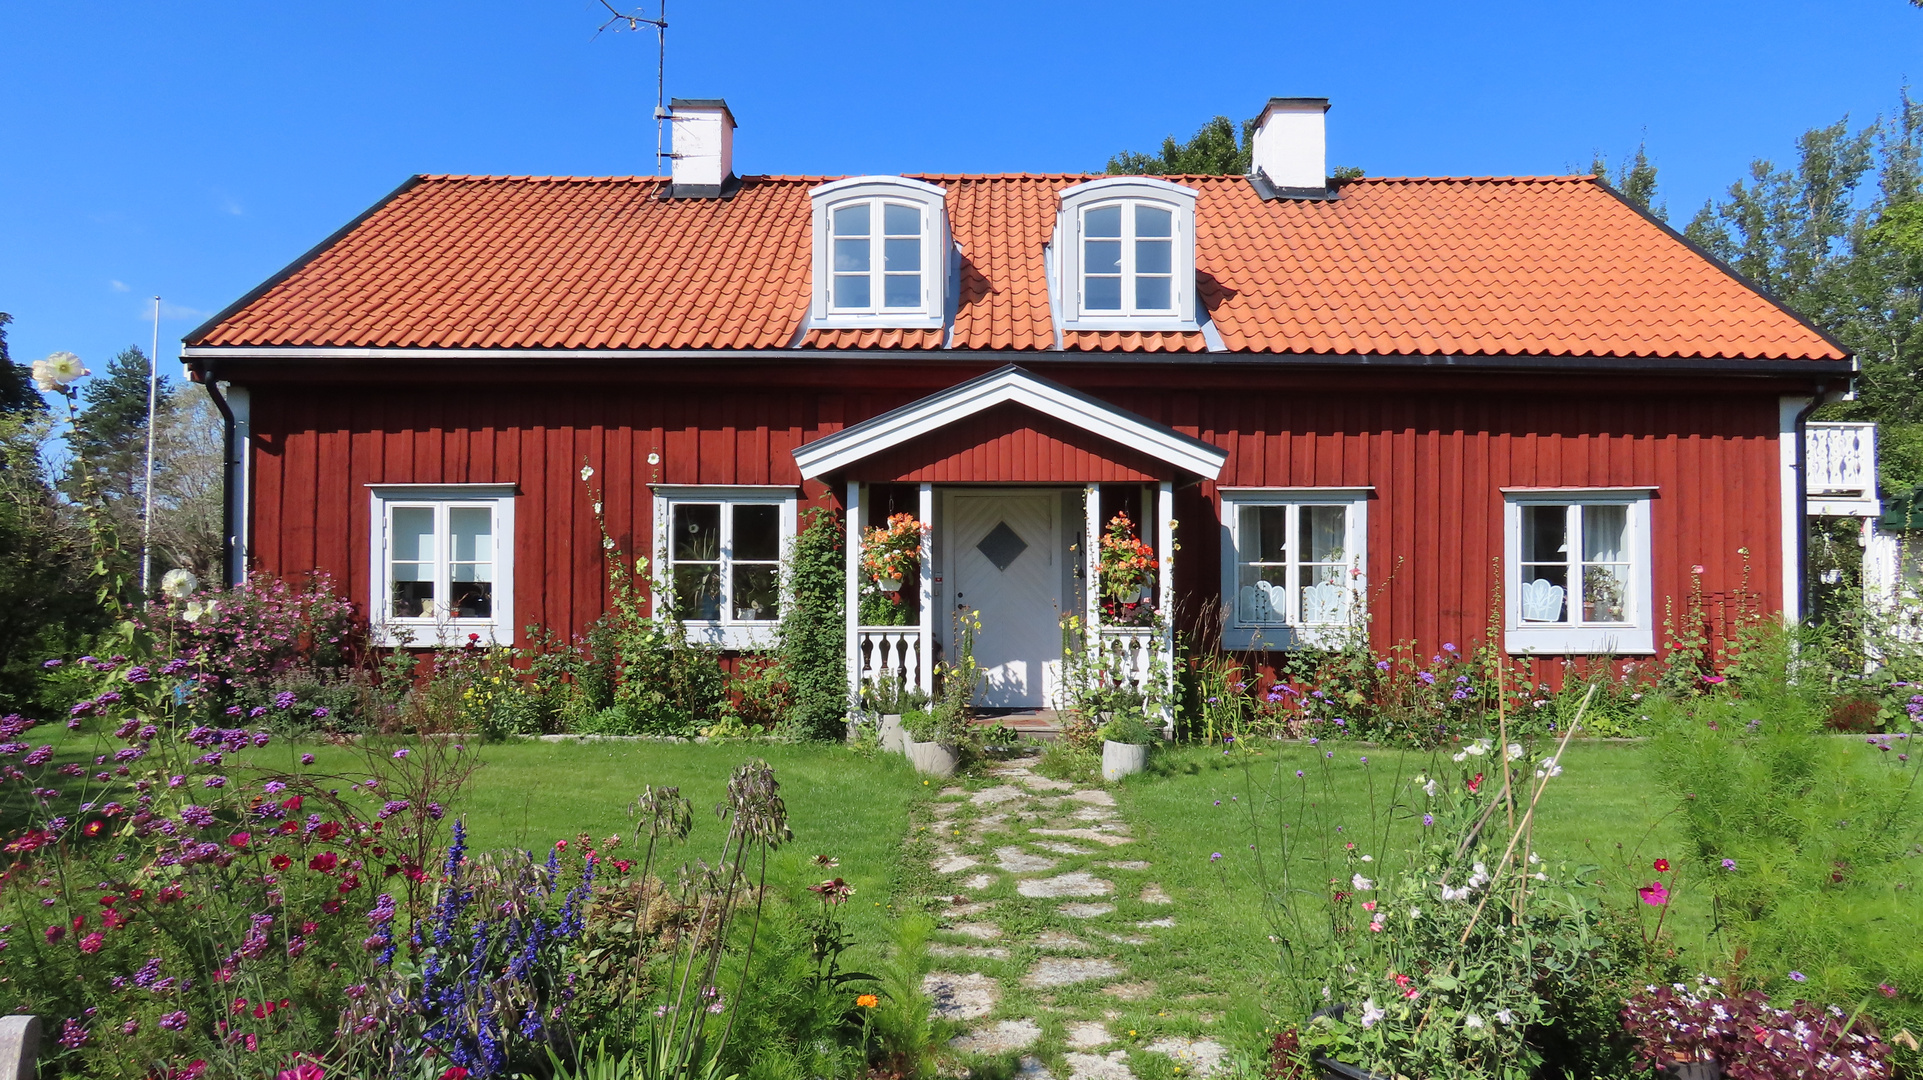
[16, 383]
[1212, 151]
[110, 437]
[1129, 726]
[44, 567]
[1062, 760]
[1634, 180]
[1804, 840]
[813, 648]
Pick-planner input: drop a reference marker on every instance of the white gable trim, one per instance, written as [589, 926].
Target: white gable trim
[1009, 384]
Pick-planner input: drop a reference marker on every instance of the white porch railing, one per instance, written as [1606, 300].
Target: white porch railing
[1839, 469]
[891, 652]
[1127, 652]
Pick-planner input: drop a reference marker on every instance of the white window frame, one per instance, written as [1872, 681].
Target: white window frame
[1127, 191]
[1238, 635]
[440, 630]
[1634, 637]
[936, 253]
[727, 631]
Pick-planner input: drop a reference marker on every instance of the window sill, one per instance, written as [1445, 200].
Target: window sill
[440, 633]
[732, 636]
[1263, 638]
[1155, 324]
[1581, 640]
[889, 320]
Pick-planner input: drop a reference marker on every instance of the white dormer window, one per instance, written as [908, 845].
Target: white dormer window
[1127, 255]
[880, 253]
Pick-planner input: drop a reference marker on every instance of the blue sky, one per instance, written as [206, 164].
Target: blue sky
[190, 148]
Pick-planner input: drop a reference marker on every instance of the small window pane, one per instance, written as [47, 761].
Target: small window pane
[902, 291]
[697, 591]
[1152, 221]
[851, 255]
[1264, 533]
[1151, 294]
[1323, 534]
[851, 290]
[413, 534]
[1103, 257]
[902, 254]
[900, 220]
[697, 532]
[1103, 294]
[1545, 593]
[1604, 589]
[473, 533]
[852, 220]
[757, 531]
[1545, 534]
[1103, 221]
[1152, 256]
[1604, 532]
[1261, 595]
[757, 592]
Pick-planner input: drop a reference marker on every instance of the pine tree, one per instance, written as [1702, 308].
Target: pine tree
[1635, 180]
[17, 394]
[111, 435]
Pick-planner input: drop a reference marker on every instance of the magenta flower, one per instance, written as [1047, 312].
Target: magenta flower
[1654, 894]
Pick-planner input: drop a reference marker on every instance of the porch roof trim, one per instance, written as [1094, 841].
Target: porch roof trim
[1011, 383]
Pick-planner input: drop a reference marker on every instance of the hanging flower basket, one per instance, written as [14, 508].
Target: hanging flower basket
[1127, 575]
[890, 555]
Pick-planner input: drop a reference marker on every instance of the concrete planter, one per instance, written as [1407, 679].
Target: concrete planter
[19, 1047]
[933, 758]
[1121, 759]
[893, 739]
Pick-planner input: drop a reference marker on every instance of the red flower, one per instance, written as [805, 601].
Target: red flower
[109, 901]
[240, 839]
[170, 894]
[288, 828]
[332, 907]
[79, 923]
[328, 830]
[92, 942]
[280, 862]
[1662, 866]
[622, 865]
[291, 804]
[454, 1072]
[92, 828]
[55, 933]
[309, 927]
[325, 862]
[1475, 783]
[239, 1006]
[561, 845]
[112, 920]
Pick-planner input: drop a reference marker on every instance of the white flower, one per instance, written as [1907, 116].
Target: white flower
[1371, 1013]
[1455, 894]
[58, 370]
[1504, 1016]
[1361, 883]
[1548, 769]
[1464, 756]
[1479, 747]
[1415, 913]
[597, 508]
[1480, 878]
[1515, 751]
[1368, 858]
[1533, 859]
[1429, 789]
[197, 610]
[178, 584]
[587, 473]
[1473, 1022]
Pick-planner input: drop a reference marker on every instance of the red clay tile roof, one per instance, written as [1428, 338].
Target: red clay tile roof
[1554, 266]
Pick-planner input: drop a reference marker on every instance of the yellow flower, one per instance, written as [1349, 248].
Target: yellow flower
[867, 1001]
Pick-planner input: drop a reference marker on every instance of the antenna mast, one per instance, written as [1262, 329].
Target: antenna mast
[636, 21]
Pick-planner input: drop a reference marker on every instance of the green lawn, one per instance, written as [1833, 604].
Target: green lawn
[1195, 802]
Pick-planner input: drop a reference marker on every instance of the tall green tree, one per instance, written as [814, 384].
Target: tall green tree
[111, 434]
[16, 381]
[1635, 180]
[1212, 151]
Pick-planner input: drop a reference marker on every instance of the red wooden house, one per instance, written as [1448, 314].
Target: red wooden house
[1327, 404]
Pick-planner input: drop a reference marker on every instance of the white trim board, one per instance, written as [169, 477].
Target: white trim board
[1009, 384]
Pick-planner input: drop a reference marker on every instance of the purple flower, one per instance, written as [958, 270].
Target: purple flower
[257, 712]
[174, 1021]
[1382, 665]
[320, 713]
[1215, 856]
[1428, 819]
[307, 759]
[284, 699]
[401, 753]
[214, 782]
[1298, 774]
[1797, 976]
[1729, 864]
[1448, 646]
[53, 663]
[273, 787]
[197, 816]
[139, 675]
[73, 1035]
[1427, 678]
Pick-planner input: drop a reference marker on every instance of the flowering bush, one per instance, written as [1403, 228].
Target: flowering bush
[1750, 1038]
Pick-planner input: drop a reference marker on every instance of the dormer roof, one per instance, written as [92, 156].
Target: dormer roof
[1473, 266]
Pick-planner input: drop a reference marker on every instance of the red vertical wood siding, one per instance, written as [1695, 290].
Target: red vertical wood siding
[1436, 457]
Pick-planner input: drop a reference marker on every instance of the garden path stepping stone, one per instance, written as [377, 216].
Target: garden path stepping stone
[1055, 939]
[1152, 894]
[1086, 911]
[1131, 991]
[1131, 864]
[1147, 924]
[1005, 1037]
[1069, 970]
[959, 997]
[978, 882]
[996, 796]
[1096, 796]
[1016, 861]
[1030, 1067]
[1093, 813]
[1122, 940]
[1113, 1066]
[979, 931]
[1059, 847]
[1085, 834]
[1043, 783]
[1079, 883]
[1203, 1057]
[978, 952]
[1088, 1035]
[955, 864]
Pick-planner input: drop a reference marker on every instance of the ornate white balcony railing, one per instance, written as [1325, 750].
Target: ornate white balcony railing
[1839, 469]
[891, 652]
[1128, 653]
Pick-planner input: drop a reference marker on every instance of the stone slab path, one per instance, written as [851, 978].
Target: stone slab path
[1049, 912]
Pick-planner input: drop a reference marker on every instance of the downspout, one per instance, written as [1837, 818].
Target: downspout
[226, 474]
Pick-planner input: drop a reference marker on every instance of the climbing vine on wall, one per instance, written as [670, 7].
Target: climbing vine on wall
[813, 649]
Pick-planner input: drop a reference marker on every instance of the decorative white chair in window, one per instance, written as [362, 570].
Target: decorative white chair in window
[1324, 603]
[1261, 604]
[1541, 601]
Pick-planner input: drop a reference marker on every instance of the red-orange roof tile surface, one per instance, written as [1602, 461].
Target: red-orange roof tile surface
[1554, 266]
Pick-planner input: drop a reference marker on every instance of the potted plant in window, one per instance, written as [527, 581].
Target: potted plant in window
[1125, 740]
[1127, 575]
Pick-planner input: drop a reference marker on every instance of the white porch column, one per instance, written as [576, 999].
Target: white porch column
[1165, 586]
[926, 512]
[1092, 561]
[853, 602]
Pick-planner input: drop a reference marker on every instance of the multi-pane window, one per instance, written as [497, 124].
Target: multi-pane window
[877, 253]
[443, 563]
[1128, 259]
[1575, 563]
[1292, 562]
[724, 559]
[1579, 578]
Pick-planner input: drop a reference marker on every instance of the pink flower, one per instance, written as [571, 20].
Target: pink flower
[92, 942]
[1654, 894]
[1368, 905]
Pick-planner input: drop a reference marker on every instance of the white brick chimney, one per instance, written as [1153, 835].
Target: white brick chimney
[1291, 146]
[703, 147]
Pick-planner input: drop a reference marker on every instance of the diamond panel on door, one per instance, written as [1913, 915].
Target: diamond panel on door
[1002, 546]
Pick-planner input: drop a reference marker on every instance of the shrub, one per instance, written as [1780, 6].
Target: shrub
[1750, 1038]
[1129, 727]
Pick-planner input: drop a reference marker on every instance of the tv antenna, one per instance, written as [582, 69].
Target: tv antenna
[635, 21]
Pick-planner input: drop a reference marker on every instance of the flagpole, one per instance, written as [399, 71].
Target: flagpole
[147, 502]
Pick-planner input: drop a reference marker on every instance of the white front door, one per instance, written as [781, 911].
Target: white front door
[1001, 547]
